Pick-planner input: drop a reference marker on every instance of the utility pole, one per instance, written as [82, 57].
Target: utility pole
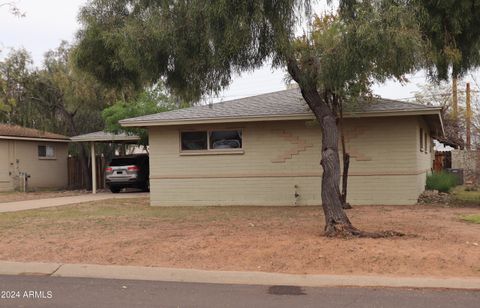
[468, 118]
[454, 98]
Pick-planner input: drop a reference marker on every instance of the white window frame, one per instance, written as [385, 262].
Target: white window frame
[210, 151]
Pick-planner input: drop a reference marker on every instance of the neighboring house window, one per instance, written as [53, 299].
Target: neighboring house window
[211, 140]
[421, 139]
[46, 151]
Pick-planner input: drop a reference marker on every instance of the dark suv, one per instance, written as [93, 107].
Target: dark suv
[128, 171]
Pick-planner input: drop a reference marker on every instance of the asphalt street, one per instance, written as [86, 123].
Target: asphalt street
[45, 291]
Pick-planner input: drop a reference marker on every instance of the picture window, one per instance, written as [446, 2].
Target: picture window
[227, 139]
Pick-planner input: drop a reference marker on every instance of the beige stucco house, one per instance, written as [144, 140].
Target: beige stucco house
[42, 155]
[266, 149]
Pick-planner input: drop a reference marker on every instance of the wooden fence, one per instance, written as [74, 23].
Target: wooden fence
[76, 178]
[443, 160]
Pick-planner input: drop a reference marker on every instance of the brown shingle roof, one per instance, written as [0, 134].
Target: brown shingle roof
[13, 131]
[282, 103]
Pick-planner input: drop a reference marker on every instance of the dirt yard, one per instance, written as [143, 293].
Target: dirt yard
[286, 239]
[21, 196]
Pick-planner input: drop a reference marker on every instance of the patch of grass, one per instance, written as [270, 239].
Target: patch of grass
[441, 181]
[138, 208]
[469, 196]
[474, 218]
[114, 212]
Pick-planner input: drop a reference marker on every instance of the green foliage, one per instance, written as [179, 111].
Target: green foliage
[152, 101]
[196, 46]
[467, 194]
[15, 76]
[441, 181]
[55, 97]
[346, 55]
[449, 28]
[453, 35]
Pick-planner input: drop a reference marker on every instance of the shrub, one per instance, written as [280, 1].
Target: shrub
[441, 181]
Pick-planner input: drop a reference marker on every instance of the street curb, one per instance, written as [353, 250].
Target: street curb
[231, 277]
[28, 268]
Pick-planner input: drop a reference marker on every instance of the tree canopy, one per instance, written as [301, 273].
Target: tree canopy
[453, 35]
[55, 97]
[152, 100]
[197, 47]
[450, 32]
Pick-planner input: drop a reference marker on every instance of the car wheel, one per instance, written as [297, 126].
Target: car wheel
[115, 190]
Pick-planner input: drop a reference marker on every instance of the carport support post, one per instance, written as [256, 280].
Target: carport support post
[94, 167]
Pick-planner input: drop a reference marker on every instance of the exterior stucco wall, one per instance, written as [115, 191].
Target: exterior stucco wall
[425, 156]
[281, 159]
[22, 156]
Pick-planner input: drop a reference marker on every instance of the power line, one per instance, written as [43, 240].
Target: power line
[434, 95]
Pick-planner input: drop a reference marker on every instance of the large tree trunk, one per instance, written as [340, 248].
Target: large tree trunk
[324, 108]
[336, 221]
[346, 163]
[346, 166]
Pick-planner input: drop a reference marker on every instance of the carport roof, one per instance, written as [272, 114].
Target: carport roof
[102, 136]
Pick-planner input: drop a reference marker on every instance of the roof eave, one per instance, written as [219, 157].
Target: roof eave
[435, 122]
[305, 116]
[119, 139]
[34, 139]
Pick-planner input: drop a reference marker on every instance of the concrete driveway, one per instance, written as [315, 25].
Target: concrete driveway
[50, 202]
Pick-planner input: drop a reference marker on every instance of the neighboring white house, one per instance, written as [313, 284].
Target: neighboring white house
[266, 150]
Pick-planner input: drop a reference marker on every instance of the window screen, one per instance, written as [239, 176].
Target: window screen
[226, 139]
[194, 141]
[46, 151]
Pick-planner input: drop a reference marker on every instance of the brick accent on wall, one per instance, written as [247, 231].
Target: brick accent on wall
[352, 133]
[299, 145]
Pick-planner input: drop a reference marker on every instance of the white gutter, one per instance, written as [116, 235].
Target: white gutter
[100, 139]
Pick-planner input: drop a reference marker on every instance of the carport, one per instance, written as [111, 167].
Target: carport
[102, 137]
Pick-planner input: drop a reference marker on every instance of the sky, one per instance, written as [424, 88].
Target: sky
[48, 22]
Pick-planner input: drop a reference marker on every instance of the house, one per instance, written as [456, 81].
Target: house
[266, 150]
[41, 155]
